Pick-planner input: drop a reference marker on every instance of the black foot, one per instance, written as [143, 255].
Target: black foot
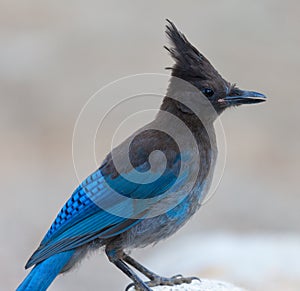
[158, 281]
[138, 288]
[175, 280]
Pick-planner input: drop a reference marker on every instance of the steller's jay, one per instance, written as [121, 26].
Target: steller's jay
[128, 205]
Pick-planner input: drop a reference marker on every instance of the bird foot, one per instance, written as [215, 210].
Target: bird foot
[174, 280]
[163, 281]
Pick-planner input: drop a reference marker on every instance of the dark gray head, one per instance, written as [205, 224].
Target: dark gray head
[193, 67]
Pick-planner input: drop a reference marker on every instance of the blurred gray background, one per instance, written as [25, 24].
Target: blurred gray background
[55, 55]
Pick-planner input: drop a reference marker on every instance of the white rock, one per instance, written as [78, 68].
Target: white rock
[195, 285]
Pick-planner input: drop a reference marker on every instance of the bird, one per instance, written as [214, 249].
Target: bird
[126, 205]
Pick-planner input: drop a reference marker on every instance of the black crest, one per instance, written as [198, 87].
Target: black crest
[189, 62]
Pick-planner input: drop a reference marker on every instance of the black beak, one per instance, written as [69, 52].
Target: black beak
[238, 97]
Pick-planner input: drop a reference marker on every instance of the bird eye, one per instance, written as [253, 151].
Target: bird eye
[208, 92]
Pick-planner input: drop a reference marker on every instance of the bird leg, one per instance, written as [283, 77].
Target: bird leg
[131, 261]
[155, 280]
[115, 258]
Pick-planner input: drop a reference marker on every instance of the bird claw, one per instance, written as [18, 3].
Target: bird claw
[138, 288]
[162, 281]
[129, 286]
[176, 276]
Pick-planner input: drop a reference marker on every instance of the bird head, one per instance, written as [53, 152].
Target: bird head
[193, 67]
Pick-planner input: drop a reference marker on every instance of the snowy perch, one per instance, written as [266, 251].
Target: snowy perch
[195, 285]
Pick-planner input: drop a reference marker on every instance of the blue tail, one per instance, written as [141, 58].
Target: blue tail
[42, 275]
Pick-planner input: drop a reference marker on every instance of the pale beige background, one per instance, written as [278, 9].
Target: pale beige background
[55, 54]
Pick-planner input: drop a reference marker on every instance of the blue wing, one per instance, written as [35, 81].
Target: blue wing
[81, 220]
